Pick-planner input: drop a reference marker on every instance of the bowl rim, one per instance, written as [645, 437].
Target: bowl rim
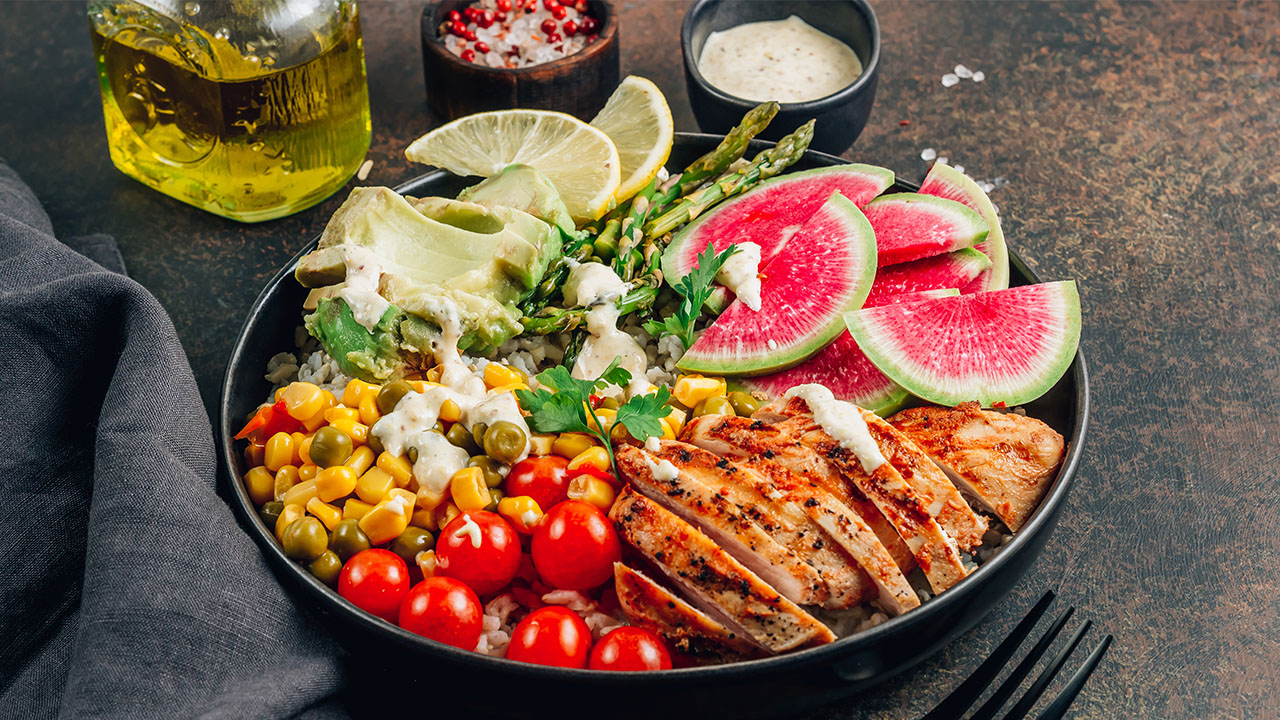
[435, 46]
[845, 94]
[326, 600]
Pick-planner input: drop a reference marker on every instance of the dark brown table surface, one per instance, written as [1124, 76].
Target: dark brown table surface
[1139, 144]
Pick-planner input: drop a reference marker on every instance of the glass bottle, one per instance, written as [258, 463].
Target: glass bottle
[250, 109]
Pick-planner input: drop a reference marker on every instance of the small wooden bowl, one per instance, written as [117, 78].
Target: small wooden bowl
[578, 84]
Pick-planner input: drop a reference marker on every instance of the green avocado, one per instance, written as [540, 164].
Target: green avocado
[523, 188]
[371, 355]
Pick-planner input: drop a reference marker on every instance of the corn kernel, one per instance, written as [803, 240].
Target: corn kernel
[361, 459]
[298, 439]
[468, 489]
[667, 432]
[397, 467]
[354, 508]
[426, 562]
[275, 397]
[508, 388]
[287, 516]
[604, 418]
[307, 472]
[278, 451]
[428, 500]
[327, 514]
[676, 420]
[335, 482]
[300, 493]
[596, 457]
[592, 490]
[303, 400]
[354, 390]
[374, 485]
[260, 484]
[446, 513]
[570, 445]
[387, 519]
[358, 432]
[433, 375]
[541, 444]
[369, 413]
[422, 385]
[425, 519]
[340, 412]
[522, 511]
[304, 450]
[254, 453]
[284, 480]
[449, 411]
[404, 495]
[496, 375]
[693, 389]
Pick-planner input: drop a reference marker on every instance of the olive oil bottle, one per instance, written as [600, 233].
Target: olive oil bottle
[248, 109]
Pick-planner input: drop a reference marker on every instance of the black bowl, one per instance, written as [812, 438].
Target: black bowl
[840, 117]
[758, 687]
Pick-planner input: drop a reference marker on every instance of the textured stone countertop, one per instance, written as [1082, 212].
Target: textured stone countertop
[1138, 143]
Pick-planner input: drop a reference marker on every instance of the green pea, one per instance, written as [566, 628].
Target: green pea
[375, 444]
[411, 542]
[504, 441]
[743, 403]
[330, 447]
[458, 436]
[412, 452]
[349, 539]
[609, 403]
[305, 539]
[477, 433]
[491, 468]
[714, 405]
[390, 394]
[270, 512]
[495, 497]
[327, 568]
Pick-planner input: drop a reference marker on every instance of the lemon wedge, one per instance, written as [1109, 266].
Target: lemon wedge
[638, 120]
[580, 160]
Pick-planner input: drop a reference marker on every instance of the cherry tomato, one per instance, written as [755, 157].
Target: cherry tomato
[444, 610]
[594, 472]
[480, 549]
[543, 478]
[630, 648]
[552, 635]
[375, 581]
[575, 546]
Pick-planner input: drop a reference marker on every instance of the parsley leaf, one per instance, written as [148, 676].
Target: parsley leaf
[694, 289]
[641, 414]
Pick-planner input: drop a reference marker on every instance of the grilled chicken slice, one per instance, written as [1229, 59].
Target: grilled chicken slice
[841, 524]
[813, 452]
[928, 481]
[716, 583]
[689, 630]
[1004, 461]
[686, 480]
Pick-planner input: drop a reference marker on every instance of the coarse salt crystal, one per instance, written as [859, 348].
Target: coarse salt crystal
[960, 169]
[963, 72]
[928, 154]
[949, 79]
[944, 160]
[979, 76]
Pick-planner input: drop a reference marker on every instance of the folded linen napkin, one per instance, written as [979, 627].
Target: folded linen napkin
[128, 589]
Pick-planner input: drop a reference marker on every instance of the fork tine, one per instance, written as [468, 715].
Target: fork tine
[1059, 706]
[1029, 698]
[1002, 693]
[954, 705]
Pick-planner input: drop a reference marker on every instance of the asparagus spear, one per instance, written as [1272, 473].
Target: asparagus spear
[718, 160]
[764, 166]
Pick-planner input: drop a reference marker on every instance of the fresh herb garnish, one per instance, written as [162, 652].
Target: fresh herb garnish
[560, 405]
[694, 289]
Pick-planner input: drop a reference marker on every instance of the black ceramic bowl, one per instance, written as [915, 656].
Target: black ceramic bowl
[840, 117]
[758, 687]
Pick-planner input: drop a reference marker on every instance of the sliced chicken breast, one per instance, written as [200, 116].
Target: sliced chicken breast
[690, 631]
[711, 579]
[1004, 461]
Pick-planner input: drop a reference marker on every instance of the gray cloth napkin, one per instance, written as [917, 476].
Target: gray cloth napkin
[127, 588]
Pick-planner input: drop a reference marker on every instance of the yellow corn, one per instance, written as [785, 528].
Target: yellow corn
[304, 450]
[604, 418]
[693, 389]
[278, 452]
[428, 500]
[522, 511]
[315, 422]
[667, 432]
[369, 412]
[354, 390]
[300, 493]
[284, 480]
[570, 445]
[422, 385]
[468, 489]
[354, 508]
[596, 457]
[361, 459]
[387, 519]
[450, 412]
[676, 420]
[334, 482]
[358, 432]
[497, 375]
[446, 513]
[260, 484]
[374, 485]
[298, 439]
[341, 412]
[541, 444]
[592, 490]
[426, 562]
[433, 375]
[397, 467]
[253, 454]
[307, 472]
[287, 516]
[425, 519]
[303, 400]
[508, 388]
[327, 514]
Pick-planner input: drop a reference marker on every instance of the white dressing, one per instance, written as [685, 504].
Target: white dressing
[741, 274]
[360, 289]
[663, 470]
[784, 60]
[843, 421]
[470, 528]
[598, 287]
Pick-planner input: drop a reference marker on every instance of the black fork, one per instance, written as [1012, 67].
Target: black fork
[954, 705]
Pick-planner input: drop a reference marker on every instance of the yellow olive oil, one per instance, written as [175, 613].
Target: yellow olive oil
[214, 123]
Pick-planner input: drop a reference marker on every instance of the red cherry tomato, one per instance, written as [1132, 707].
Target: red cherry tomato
[630, 648]
[444, 610]
[595, 472]
[552, 635]
[544, 478]
[375, 581]
[480, 549]
[575, 546]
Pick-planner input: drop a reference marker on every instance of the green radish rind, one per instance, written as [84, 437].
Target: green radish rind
[975, 376]
[860, 238]
[962, 188]
[968, 227]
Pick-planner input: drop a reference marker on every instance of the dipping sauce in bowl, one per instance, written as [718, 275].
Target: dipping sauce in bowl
[784, 60]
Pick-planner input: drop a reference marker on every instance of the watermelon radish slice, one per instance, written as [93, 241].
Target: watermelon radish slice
[844, 370]
[952, 270]
[946, 182]
[767, 216]
[1001, 348]
[910, 226]
[825, 269]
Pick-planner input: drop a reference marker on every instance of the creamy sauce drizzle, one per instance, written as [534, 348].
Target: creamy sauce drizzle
[596, 286]
[360, 289]
[842, 421]
[784, 60]
[663, 470]
[741, 274]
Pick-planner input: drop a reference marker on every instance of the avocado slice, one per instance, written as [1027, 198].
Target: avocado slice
[372, 356]
[523, 188]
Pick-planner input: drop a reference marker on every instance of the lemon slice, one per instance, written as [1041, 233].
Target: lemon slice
[637, 119]
[580, 160]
